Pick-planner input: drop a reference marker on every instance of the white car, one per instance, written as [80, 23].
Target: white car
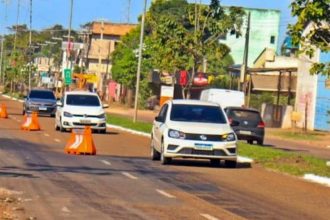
[78, 109]
[193, 129]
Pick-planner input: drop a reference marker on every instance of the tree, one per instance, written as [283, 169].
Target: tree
[316, 13]
[183, 34]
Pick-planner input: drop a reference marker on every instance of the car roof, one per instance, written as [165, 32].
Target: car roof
[242, 109]
[41, 90]
[80, 93]
[193, 102]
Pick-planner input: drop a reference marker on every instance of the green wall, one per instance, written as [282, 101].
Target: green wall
[264, 25]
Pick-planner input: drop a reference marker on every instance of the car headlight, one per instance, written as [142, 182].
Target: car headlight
[67, 114]
[101, 115]
[176, 134]
[229, 137]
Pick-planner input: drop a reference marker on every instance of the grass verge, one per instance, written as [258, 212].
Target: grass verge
[299, 135]
[128, 123]
[287, 162]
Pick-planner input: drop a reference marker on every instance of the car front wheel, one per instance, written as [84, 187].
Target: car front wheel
[155, 155]
[164, 160]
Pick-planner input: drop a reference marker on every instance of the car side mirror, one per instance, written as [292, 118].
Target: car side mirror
[105, 106]
[159, 119]
[59, 104]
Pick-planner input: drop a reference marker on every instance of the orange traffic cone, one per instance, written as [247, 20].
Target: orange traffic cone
[3, 111]
[81, 142]
[31, 122]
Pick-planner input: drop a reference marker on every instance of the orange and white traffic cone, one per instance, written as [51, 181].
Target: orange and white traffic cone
[81, 142]
[3, 111]
[31, 122]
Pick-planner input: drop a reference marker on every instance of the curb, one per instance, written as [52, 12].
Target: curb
[12, 98]
[317, 179]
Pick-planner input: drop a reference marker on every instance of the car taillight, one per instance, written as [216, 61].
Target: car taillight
[261, 124]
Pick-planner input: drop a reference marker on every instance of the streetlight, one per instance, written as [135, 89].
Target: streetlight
[139, 63]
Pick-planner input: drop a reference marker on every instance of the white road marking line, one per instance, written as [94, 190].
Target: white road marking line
[57, 140]
[209, 217]
[46, 135]
[129, 175]
[317, 179]
[328, 146]
[165, 194]
[65, 209]
[106, 162]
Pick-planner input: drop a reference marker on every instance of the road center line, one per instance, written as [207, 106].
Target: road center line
[129, 175]
[165, 194]
[209, 217]
[106, 162]
[65, 209]
[57, 140]
[46, 135]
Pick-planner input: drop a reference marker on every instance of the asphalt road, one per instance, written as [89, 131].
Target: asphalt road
[121, 182]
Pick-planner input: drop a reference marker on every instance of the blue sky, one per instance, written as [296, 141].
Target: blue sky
[49, 12]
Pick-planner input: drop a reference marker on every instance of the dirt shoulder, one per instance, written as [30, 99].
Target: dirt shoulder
[10, 204]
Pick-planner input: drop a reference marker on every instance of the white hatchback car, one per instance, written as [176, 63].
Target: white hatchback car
[78, 109]
[193, 129]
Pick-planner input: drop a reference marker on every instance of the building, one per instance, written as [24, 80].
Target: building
[101, 39]
[264, 33]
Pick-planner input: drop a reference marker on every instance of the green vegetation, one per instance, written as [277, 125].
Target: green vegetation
[128, 123]
[314, 12]
[299, 135]
[287, 162]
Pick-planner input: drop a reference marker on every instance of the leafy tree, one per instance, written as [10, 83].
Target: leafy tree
[314, 12]
[183, 34]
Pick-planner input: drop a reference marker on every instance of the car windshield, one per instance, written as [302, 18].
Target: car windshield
[245, 115]
[82, 100]
[35, 94]
[197, 113]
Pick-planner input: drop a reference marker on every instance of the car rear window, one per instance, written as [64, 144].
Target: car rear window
[245, 115]
[197, 113]
[41, 94]
[82, 100]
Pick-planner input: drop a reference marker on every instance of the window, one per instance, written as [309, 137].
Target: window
[163, 111]
[272, 39]
[41, 95]
[197, 113]
[82, 100]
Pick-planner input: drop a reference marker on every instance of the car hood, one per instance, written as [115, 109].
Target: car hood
[46, 101]
[83, 110]
[200, 128]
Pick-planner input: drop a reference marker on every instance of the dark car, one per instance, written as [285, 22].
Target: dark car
[42, 101]
[247, 124]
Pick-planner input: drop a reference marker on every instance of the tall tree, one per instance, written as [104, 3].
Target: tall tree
[183, 34]
[315, 13]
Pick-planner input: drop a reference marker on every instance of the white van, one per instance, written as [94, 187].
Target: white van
[223, 97]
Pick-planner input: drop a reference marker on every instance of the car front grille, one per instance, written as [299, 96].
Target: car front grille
[201, 137]
[86, 116]
[83, 124]
[191, 151]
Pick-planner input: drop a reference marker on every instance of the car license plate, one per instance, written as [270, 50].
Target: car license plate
[85, 121]
[245, 132]
[43, 108]
[200, 146]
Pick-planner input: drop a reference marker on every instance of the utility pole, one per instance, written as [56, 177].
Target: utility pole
[30, 46]
[1, 58]
[100, 84]
[69, 35]
[128, 11]
[139, 62]
[245, 58]
[16, 28]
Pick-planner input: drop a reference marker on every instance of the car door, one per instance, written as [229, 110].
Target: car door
[158, 126]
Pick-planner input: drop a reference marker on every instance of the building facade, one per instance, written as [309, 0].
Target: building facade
[264, 33]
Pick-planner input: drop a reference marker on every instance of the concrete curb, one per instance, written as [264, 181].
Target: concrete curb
[12, 98]
[317, 179]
